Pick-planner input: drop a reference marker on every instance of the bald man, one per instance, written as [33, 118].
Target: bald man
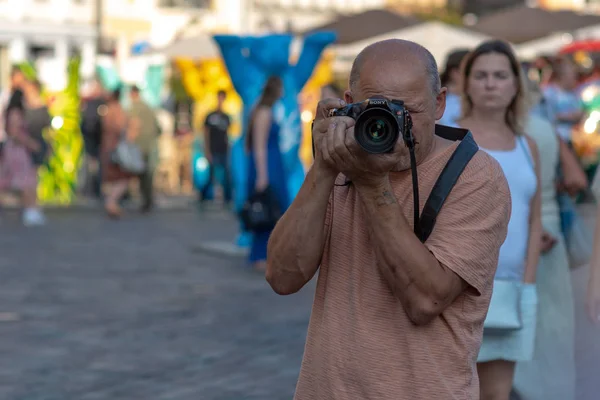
[393, 318]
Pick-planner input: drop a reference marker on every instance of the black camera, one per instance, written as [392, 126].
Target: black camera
[379, 123]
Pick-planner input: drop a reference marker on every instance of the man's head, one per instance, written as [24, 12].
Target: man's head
[31, 88]
[221, 96]
[401, 70]
[96, 88]
[451, 75]
[135, 93]
[17, 77]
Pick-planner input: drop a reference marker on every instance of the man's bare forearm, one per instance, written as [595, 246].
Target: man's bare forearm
[297, 242]
[417, 279]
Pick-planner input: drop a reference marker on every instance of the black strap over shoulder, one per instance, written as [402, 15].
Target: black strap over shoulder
[448, 178]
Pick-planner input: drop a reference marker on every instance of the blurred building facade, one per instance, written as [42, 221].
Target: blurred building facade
[47, 32]
[580, 5]
[297, 15]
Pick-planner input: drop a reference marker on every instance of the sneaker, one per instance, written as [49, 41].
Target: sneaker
[33, 217]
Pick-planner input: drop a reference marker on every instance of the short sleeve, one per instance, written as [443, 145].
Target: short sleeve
[473, 222]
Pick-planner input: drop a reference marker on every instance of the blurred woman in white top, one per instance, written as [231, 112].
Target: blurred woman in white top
[494, 110]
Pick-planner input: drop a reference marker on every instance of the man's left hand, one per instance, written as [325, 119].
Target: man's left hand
[354, 162]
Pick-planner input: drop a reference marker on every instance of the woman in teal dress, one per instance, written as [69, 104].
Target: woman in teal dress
[265, 169]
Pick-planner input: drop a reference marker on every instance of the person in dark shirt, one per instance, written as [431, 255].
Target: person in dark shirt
[91, 130]
[216, 146]
[37, 119]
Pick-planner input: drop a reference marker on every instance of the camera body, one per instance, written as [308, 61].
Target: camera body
[379, 123]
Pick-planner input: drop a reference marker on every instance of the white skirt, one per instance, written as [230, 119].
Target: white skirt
[513, 345]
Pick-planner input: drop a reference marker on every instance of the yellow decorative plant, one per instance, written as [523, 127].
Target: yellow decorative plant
[58, 177]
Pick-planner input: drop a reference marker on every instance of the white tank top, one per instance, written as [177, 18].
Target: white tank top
[517, 165]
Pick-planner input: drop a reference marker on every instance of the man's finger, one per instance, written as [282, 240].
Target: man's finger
[322, 126]
[351, 143]
[326, 105]
[325, 154]
[339, 143]
[330, 138]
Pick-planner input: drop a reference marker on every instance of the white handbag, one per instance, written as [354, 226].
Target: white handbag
[505, 306]
[129, 157]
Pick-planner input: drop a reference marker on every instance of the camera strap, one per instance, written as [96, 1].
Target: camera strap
[445, 182]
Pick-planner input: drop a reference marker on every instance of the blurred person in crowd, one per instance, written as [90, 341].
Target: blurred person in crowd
[563, 99]
[116, 180]
[216, 147]
[37, 122]
[37, 119]
[593, 289]
[17, 170]
[495, 110]
[16, 80]
[184, 137]
[265, 169]
[392, 318]
[451, 80]
[331, 91]
[550, 375]
[543, 66]
[143, 130]
[572, 178]
[91, 129]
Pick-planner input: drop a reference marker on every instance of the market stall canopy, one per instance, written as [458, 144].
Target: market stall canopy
[592, 46]
[196, 47]
[358, 31]
[522, 24]
[357, 27]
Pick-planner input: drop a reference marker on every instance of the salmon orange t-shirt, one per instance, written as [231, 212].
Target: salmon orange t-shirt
[361, 344]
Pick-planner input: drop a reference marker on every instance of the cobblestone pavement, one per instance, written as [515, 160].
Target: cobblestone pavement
[92, 309]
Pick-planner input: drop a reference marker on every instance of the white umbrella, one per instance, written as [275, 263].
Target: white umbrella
[197, 47]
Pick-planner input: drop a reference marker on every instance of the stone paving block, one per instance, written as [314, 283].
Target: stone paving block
[127, 310]
[92, 309]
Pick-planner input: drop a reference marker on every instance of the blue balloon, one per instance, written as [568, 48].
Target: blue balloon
[250, 61]
[200, 167]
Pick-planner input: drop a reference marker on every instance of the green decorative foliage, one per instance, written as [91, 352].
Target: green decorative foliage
[28, 70]
[58, 177]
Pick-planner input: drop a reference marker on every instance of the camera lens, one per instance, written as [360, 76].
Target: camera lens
[377, 131]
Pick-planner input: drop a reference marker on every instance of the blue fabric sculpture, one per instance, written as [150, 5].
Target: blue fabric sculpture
[250, 61]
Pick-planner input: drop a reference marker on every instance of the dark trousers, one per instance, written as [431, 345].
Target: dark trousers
[147, 184]
[219, 161]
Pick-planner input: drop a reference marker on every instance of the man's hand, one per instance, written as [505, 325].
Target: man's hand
[573, 182]
[345, 154]
[321, 129]
[548, 242]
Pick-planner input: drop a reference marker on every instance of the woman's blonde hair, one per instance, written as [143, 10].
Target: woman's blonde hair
[516, 113]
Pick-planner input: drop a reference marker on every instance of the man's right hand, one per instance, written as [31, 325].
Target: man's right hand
[324, 125]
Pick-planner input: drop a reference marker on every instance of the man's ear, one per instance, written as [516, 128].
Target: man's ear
[440, 103]
[348, 97]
